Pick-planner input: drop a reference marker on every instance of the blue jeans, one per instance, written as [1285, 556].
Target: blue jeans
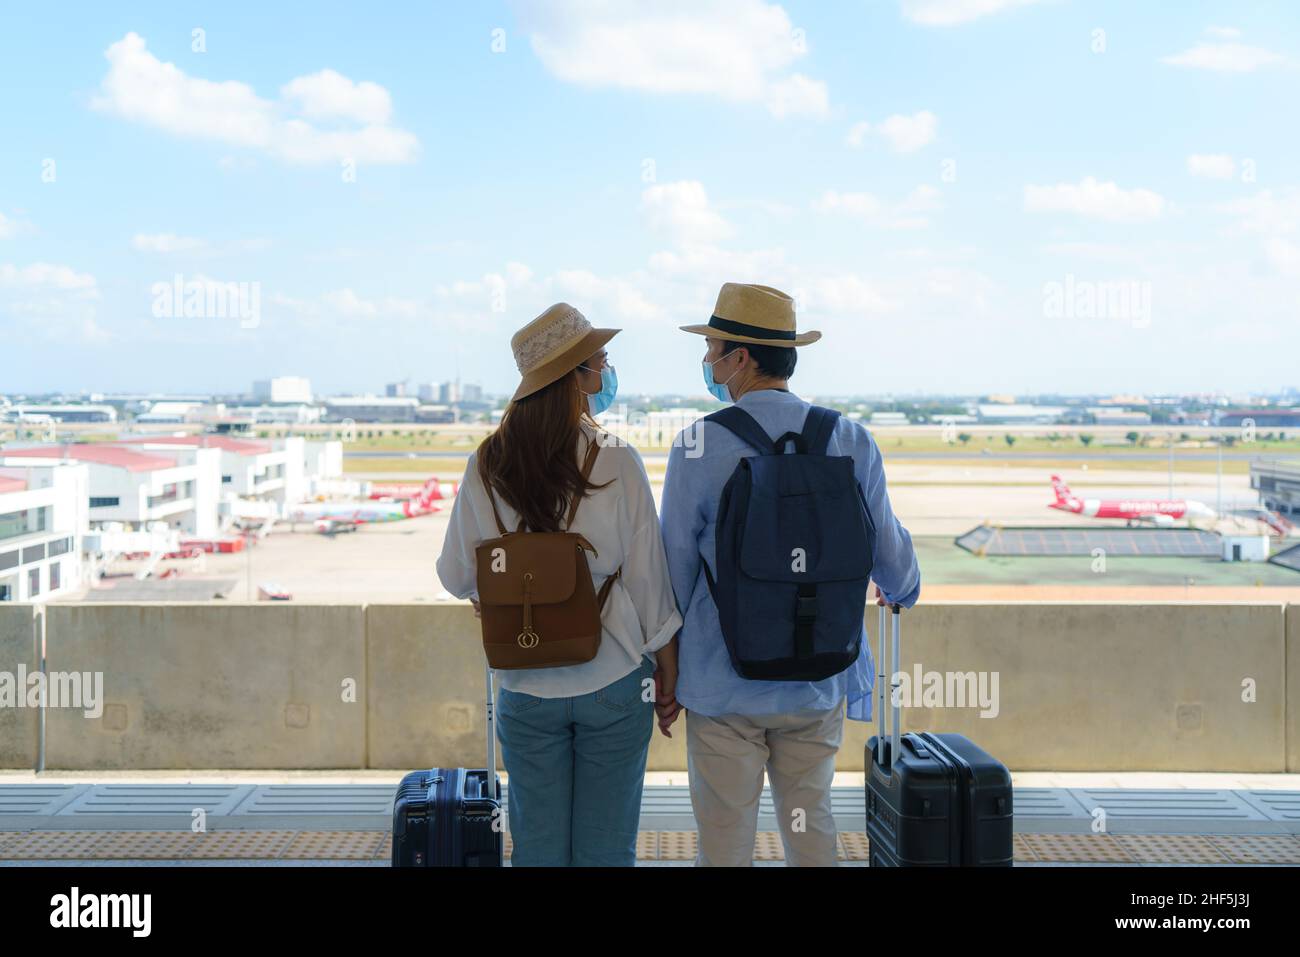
[576, 767]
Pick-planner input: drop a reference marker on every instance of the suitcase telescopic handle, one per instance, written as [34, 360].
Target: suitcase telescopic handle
[887, 672]
[488, 789]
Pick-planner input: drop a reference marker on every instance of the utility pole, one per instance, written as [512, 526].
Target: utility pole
[1218, 493]
[1171, 464]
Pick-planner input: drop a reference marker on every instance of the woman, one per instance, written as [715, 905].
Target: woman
[574, 739]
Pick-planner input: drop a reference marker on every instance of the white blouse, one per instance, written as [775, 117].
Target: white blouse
[619, 520]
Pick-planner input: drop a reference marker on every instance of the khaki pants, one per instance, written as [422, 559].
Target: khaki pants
[725, 759]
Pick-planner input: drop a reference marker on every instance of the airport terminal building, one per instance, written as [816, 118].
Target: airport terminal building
[1278, 484]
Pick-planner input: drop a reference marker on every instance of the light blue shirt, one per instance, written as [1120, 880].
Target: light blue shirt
[702, 459]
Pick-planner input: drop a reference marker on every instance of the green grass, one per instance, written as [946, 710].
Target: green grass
[944, 563]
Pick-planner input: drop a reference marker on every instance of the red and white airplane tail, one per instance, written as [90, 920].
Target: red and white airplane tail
[429, 493]
[1062, 490]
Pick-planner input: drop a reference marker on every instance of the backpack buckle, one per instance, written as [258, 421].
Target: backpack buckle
[806, 608]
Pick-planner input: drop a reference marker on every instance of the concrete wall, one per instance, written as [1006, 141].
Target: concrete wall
[426, 684]
[1080, 686]
[1293, 688]
[17, 725]
[211, 686]
[1109, 687]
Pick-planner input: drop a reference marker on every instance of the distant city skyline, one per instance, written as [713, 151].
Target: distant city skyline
[1022, 196]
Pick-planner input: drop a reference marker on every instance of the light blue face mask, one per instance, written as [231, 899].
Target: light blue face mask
[717, 389]
[598, 402]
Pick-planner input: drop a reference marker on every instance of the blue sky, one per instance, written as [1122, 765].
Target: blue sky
[404, 187]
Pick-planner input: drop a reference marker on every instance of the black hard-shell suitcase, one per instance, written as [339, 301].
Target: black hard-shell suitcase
[932, 799]
[451, 817]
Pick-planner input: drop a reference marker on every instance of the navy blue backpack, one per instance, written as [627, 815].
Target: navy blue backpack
[794, 551]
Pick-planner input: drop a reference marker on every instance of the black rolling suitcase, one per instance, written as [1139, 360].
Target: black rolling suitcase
[932, 799]
[451, 817]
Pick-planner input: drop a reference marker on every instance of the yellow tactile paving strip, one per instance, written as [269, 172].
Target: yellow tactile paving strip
[651, 846]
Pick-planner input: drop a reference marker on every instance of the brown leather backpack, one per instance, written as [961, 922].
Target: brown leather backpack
[537, 602]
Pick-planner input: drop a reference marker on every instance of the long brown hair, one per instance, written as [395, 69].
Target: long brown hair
[530, 461]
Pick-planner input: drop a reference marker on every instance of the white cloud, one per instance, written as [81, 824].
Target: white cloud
[141, 88]
[617, 299]
[48, 276]
[331, 95]
[797, 94]
[50, 301]
[906, 134]
[1094, 200]
[907, 213]
[1285, 256]
[863, 205]
[1225, 58]
[947, 13]
[9, 228]
[1266, 213]
[165, 243]
[346, 303]
[844, 295]
[1223, 33]
[903, 134]
[739, 50]
[1212, 166]
[682, 210]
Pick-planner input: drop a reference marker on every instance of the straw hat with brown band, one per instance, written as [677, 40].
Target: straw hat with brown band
[757, 315]
[553, 345]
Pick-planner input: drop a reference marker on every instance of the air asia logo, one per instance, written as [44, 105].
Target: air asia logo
[103, 910]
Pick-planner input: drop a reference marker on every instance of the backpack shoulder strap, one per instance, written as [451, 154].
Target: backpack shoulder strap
[587, 464]
[744, 426]
[817, 429]
[492, 500]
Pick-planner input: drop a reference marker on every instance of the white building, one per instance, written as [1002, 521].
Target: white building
[888, 418]
[69, 412]
[248, 468]
[1245, 548]
[179, 413]
[283, 389]
[322, 464]
[181, 486]
[278, 414]
[370, 408]
[43, 520]
[1013, 413]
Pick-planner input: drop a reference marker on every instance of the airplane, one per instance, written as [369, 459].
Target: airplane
[336, 515]
[396, 490]
[1160, 512]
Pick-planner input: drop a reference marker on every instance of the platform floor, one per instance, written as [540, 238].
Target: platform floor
[246, 822]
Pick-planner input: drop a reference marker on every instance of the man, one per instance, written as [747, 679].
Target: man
[738, 727]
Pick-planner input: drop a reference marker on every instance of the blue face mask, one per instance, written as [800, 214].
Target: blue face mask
[717, 389]
[598, 402]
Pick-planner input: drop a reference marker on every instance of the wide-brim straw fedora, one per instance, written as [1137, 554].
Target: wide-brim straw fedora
[553, 345]
[756, 315]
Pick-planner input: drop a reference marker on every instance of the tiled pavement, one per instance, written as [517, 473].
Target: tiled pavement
[348, 824]
[371, 846]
